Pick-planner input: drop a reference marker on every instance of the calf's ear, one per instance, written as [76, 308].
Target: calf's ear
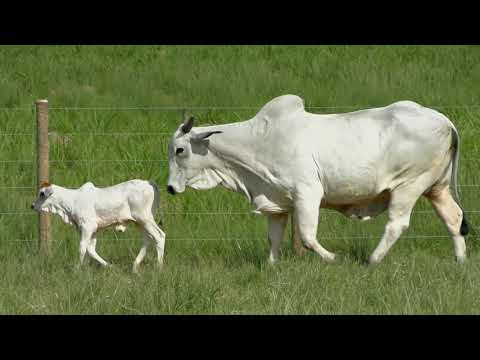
[204, 135]
[45, 184]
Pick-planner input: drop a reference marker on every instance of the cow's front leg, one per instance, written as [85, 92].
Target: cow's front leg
[307, 207]
[85, 239]
[276, 229]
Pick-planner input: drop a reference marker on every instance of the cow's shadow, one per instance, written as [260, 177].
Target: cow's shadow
[357, 252]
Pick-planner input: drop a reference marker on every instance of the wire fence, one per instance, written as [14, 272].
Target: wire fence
[249, 238]
[18, 212]
[218, 107]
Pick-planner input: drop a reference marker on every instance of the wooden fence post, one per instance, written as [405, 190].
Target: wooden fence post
[42, 172]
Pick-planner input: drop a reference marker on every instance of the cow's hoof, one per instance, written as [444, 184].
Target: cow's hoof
[331, 259]
[135, 269]
[461, 259]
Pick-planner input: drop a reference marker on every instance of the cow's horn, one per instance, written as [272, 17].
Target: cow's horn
[188, 125]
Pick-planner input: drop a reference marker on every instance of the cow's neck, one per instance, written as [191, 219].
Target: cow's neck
[234, 158]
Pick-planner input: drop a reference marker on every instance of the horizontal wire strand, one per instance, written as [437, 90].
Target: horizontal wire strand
[14, 212]
[242, 239]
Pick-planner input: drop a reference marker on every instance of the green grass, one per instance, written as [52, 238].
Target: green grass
[216, 263]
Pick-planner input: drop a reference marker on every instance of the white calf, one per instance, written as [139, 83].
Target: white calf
[92, 209]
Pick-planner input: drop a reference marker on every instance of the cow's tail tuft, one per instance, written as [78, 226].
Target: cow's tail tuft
[464, 228]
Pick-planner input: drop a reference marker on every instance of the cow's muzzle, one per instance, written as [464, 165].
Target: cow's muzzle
[171, 190]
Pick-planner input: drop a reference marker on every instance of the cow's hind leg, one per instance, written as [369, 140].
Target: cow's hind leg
[452, 215]
[402, 201]
[276, 230]
[297, 244]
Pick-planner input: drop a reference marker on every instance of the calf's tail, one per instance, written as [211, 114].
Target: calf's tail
[156, 200]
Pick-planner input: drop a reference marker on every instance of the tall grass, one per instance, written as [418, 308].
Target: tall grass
[216, 263]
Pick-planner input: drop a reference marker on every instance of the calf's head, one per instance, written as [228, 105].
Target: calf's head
[188, 158]
[45, 197]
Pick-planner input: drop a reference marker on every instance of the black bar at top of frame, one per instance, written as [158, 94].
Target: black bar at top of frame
[239, 38]
[239, 24]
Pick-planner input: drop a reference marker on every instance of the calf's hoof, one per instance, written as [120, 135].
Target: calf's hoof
[330, 259]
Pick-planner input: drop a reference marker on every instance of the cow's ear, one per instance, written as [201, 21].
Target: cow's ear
[204, 135]
[188, 125]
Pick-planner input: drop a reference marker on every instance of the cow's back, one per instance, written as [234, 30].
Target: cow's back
[365, 152]
[358, 153]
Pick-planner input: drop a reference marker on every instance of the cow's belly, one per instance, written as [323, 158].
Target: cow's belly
[342, 192]
[364, 209]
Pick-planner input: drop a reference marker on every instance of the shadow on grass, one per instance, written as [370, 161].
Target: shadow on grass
[356, 252]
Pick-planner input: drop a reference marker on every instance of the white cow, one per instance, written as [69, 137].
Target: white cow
[91, 209]
[359, 163]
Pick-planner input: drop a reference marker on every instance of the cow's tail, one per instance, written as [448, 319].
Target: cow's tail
[156, 200]
[464, 227]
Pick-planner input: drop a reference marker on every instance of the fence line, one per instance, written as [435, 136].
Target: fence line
[127, 160]
[17, 187]
[162, 190]
[94, 133]
[163, 133]
[118, 133]
[245, 238]
[126, 133]
[215, 107]
[15, 133]
[251, 212]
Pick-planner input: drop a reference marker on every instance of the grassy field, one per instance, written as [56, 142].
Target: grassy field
[216, 249]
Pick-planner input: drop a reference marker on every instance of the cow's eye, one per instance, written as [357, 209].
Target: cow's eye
[42, 194]
[179, 151]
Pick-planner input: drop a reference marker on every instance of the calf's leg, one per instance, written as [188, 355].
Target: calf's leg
[158, 236]
[91, 249]
[142, 253]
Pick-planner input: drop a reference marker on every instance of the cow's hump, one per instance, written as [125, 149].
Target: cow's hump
[87, 186]
[281, 106]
